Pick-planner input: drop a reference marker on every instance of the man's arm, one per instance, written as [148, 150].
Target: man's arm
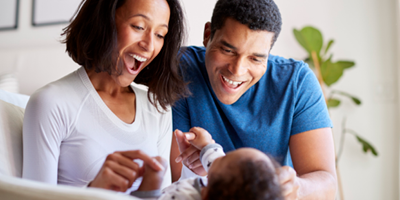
[176, 167]
[313, 157]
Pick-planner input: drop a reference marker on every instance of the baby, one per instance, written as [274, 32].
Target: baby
[245, 173]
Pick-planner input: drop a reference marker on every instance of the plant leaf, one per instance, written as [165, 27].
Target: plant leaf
[331, 72]
[367, 146]
[309, 62]
[345, 64]
[328, 46]
[356, 101]
[353, 98]
[310, 39]
[332, 103]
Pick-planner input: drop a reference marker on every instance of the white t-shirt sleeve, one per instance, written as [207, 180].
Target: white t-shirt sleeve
[43, 131]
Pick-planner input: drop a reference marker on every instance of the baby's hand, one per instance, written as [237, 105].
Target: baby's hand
[199, 137]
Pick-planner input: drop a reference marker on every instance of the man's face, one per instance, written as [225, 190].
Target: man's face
[236, 58]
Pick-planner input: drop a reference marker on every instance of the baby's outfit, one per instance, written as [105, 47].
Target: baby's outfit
[187, 189]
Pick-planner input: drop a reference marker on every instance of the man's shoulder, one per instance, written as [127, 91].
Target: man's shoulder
[281, 61]
[192, 55]
[287, 67]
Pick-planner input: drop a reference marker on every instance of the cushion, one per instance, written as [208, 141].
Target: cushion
[21, 189]
[9, 83]
[17, 99]
[11, 118]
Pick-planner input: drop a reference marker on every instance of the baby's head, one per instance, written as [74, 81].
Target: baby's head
[245, 173]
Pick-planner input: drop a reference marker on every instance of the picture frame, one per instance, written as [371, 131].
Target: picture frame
[52, 12]
[10, 11]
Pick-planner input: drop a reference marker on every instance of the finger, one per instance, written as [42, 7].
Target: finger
[123, 160]
[114, 180]
[183, 144]
[138, 154]
[130, 174]
[184, 155]
[190, 136]
[199, 171]
[195, 164]
[285, 174]
[194, 157]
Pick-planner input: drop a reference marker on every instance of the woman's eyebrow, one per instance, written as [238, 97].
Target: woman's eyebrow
[146, 17]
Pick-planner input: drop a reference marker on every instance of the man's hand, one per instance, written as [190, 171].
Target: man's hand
[119, 171]
[289, 182]
[152, 179]
[190, 155]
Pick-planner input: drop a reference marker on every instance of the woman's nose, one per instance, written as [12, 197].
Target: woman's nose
[147, 41]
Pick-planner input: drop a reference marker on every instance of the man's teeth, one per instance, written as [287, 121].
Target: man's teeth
[138, 58]
[235, 83]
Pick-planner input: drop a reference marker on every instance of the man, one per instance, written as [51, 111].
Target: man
[247, 98]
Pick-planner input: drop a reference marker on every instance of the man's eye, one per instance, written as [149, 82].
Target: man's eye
[256, 60]
[226, 50]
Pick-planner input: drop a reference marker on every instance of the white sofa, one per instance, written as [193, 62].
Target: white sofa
[12, 186]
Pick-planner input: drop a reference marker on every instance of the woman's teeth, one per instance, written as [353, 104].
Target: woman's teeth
[138, 58]
[234, 83]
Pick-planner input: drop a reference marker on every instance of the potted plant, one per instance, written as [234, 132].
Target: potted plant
[329, 72]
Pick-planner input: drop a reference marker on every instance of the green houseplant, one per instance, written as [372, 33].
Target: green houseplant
[329, 72]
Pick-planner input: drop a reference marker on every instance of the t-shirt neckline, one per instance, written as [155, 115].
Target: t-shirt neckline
[116, 120]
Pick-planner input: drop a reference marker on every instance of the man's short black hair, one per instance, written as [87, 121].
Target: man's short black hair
[249, 179]
[261, 15]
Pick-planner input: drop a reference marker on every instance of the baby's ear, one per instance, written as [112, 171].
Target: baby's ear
[204, 193]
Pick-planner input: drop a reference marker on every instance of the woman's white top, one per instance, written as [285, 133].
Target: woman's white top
[68, 132]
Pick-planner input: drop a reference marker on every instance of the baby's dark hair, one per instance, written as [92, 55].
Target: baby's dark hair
[262, 15]
[249, 179]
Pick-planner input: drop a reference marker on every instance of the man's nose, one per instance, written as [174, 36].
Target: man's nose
[238, 67]
[147, 41]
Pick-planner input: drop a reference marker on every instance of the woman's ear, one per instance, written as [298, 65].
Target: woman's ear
[207, 33]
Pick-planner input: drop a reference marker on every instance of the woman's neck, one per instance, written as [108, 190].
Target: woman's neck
[106, 83]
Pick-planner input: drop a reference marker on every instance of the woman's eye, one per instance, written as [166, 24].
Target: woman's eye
[137, 27]
[160, 36]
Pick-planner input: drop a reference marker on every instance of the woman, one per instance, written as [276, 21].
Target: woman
[88, 127]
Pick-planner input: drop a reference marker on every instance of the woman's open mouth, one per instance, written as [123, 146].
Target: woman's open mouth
[134, 62]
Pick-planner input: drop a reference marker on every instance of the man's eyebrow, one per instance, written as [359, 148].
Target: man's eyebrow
[260, 55]
[146, 17]
[228, 45]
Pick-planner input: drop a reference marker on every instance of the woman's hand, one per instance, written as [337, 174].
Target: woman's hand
[289, 182]
[152, 179]
[119, 171]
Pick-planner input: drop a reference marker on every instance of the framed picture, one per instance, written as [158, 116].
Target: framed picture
[49, 12]
[9, 14]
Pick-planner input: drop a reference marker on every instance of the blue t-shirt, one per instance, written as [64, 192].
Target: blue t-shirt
[286, 100]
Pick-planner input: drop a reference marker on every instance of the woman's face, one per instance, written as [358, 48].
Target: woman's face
[141, 28]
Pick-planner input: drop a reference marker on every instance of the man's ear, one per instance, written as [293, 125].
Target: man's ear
[207, 33]
[204, 193]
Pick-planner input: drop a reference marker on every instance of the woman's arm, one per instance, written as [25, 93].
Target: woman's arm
[43, 131]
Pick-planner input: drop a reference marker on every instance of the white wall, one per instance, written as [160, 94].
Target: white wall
[34, 55]
[364, 31]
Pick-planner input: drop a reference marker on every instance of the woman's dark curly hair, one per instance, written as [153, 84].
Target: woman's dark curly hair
[91, 41]
[248, 179]
[256, 14]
